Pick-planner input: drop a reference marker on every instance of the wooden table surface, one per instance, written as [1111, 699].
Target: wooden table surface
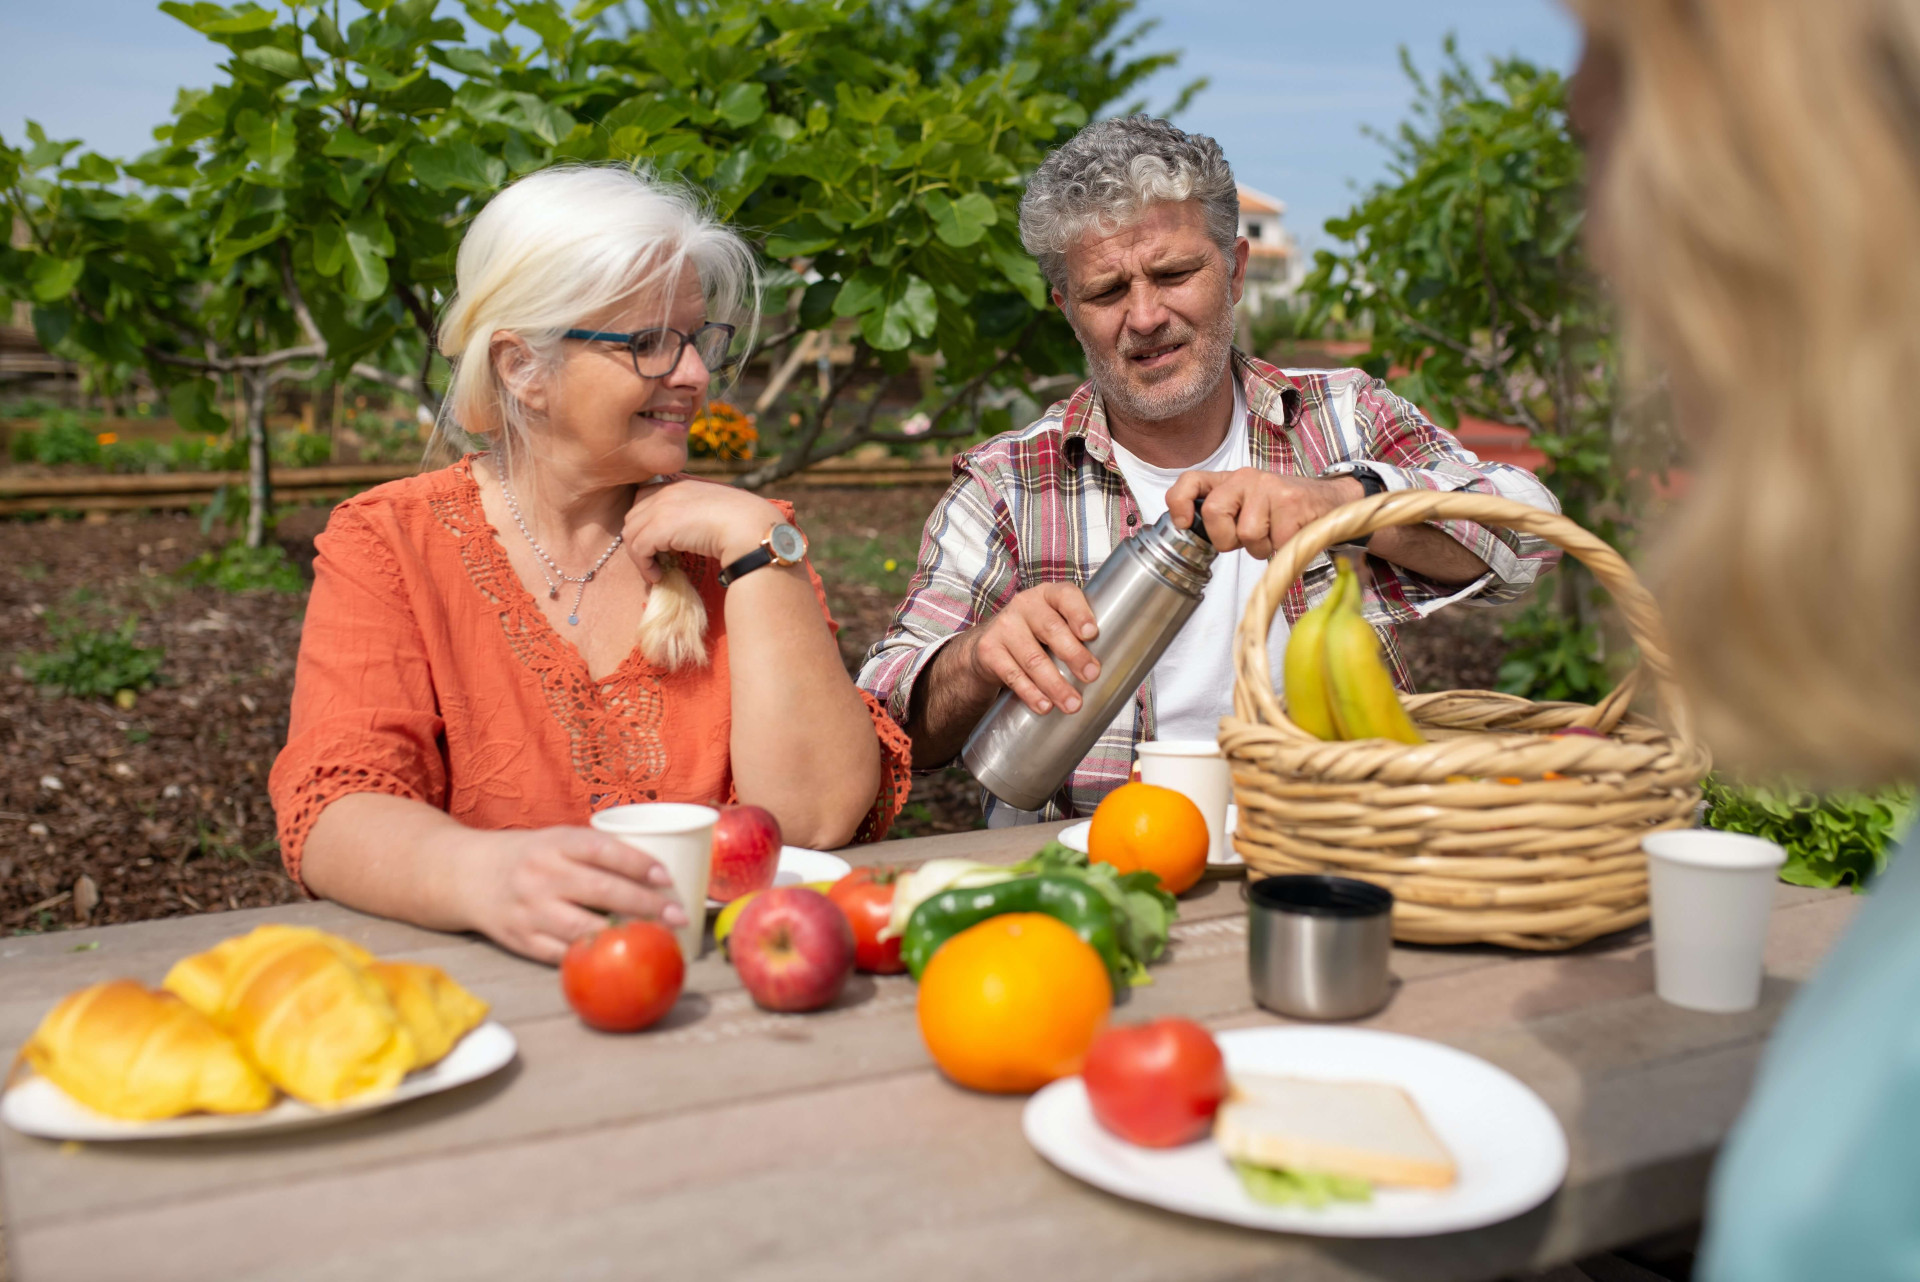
[733, 1143]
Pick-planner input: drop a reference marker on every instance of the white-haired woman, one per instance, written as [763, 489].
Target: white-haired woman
[497, 649]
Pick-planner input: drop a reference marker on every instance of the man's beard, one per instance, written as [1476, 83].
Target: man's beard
[1209, 352]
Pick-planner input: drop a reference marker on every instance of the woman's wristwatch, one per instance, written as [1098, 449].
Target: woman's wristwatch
[783, 545]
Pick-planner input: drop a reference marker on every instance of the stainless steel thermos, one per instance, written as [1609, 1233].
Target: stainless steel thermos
[1140, 597]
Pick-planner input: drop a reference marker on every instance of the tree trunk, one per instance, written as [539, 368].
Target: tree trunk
[257, 388]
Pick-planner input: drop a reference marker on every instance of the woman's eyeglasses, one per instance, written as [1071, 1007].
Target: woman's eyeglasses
[657, 351]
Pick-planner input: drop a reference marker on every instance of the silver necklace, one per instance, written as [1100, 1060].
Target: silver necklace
[549, 568]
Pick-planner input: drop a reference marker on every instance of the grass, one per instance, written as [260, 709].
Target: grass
[849, 557]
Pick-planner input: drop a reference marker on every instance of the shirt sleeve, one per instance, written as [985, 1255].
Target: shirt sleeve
[896, 749]
[967, 571]
[365, 715]
[1407, 450]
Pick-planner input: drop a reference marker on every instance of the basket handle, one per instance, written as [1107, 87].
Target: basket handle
[1253, 696]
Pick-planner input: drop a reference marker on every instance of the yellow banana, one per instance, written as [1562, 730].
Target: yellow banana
[1365, 704]
[1308, 701]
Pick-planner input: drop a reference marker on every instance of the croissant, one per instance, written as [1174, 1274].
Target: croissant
[302, 1006]
[435, 1009]
[127, 1051]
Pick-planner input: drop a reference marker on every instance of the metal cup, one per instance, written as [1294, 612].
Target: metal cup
[1317, 946]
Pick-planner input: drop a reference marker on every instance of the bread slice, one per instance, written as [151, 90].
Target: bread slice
[1367, 1129]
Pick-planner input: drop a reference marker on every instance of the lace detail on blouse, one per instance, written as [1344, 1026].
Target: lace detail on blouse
[613, 726]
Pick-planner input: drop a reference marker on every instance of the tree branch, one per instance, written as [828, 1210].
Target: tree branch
[297, 301]
[793, 459]
[421, 316]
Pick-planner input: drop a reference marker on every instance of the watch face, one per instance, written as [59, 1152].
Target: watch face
[787, 543]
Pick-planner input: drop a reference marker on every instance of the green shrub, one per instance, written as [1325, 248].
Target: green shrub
[303, 449]
[1551, 656]
[88, 662]
[239, 568]
[61, 439]
[1835, 839]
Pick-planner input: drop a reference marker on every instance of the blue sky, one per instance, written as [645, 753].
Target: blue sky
[1293, 83]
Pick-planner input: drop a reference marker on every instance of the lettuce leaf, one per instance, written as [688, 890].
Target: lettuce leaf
[1143, 913]
[1835, 839]
[1273, 1186]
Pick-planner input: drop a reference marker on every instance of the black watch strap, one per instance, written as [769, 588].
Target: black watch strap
[1370, 484]
[745, 565]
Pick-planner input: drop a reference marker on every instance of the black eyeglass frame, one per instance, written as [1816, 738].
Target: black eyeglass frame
[632, 343]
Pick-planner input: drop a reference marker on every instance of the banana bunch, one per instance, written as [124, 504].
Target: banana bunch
[1337, 685]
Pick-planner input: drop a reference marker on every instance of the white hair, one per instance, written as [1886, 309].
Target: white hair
[554, 251]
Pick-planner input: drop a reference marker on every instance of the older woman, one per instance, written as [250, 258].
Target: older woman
[1755, 190]
[497, 649]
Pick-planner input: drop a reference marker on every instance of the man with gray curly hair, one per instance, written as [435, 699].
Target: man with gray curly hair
[1135, 225]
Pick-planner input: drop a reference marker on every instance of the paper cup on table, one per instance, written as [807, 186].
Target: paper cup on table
[1198, 770]
[1712, 894]
[680, 838]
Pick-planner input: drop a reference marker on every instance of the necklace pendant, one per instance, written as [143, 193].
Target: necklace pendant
[574, 619]
[553, 594]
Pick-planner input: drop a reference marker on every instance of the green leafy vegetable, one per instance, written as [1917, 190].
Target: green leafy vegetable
[1835, 839]
[1143, 913]
[1276, 1187]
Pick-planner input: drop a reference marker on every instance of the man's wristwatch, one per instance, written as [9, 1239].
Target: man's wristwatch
[1370, 485]
[784, 545]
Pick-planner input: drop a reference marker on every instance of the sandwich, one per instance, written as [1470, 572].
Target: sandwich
[1297, 1140]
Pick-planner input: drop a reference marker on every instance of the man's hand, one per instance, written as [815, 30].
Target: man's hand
[1007, 650]
[1256, 510]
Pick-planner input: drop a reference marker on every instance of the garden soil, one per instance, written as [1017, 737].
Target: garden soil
[111, 814]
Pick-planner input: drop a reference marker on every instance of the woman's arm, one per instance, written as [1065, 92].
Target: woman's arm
[531, 891]
[803, 743]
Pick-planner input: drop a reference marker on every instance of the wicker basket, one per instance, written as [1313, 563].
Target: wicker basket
[1547, 860]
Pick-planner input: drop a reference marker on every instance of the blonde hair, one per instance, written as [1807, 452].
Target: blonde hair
[1758, 208]
[551, 252]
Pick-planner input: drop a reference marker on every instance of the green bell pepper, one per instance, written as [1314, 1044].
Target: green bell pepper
[1069, 900]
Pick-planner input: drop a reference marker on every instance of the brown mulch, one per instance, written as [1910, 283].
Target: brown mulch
[161, 809]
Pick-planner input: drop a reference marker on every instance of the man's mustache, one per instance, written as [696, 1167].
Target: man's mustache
[1129, 345]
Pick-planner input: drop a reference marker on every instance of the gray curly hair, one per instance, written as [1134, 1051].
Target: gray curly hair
[1106, 175]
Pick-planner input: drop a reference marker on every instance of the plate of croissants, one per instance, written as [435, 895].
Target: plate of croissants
[282, 1027]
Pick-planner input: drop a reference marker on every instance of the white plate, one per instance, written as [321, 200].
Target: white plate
[798, 866]
[1076, 837]
[38, 1107]
[1507, 1145]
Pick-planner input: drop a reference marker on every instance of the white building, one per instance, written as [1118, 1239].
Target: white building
[1274, 266]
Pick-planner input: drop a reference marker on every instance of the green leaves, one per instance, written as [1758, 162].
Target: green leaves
[961, 222]
[369, 243]
[457, 165]
[1838, 839]
[52, 279]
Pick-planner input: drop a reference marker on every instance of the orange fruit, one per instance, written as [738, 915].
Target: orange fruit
[1013, 1003]
[1141, 826]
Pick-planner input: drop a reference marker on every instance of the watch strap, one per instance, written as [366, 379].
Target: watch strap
[1370, 485]
[745, 565]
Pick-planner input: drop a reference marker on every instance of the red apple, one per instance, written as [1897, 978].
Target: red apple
[793, 949]
[746, 853]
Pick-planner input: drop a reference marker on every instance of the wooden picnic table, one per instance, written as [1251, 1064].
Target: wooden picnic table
[733, 1143]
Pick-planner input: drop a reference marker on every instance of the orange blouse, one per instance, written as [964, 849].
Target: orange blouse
[427, 671]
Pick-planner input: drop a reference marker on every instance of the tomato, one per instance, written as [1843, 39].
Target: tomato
[865, 895]
[1156, 1084]
[625, 977]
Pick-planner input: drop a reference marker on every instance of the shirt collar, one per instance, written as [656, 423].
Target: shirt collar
[1273, 400]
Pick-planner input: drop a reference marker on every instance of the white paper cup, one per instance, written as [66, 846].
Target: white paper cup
[1712, 894]
[680, 838]
[1198, 771]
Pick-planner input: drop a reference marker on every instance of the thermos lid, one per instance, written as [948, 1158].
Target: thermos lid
[1183, 557]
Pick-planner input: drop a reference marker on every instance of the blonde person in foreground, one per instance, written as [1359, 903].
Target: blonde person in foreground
[495, 650]
[1755, 195]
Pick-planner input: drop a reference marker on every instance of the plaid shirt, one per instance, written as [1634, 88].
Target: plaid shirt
[1048, 504]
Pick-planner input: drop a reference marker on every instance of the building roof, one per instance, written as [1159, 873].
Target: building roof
[1258, 202]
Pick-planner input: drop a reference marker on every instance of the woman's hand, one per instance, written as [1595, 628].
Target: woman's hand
[698, 517]
[536, 892]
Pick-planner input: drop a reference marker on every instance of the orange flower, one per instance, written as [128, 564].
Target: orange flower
[107, 438]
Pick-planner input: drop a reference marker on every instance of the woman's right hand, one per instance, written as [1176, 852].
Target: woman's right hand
[536, 892]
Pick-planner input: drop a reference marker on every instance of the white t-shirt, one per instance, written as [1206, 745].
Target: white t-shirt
[1193, 681]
